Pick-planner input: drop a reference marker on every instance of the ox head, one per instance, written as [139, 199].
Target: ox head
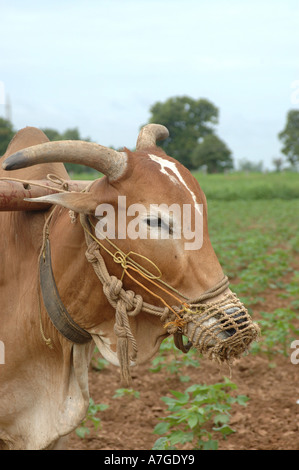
[151, 184]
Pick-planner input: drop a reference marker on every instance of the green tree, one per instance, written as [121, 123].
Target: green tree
[52, 134]
[68, 134]
[73, 134]
[6, 134]
[289, 137]
[278, 163]
[213, 153]
[188, 121]
[250, 167]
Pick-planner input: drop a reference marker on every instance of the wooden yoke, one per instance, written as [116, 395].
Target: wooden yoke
[13, 193]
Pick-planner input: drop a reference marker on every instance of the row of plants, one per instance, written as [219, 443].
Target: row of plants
[249, 186]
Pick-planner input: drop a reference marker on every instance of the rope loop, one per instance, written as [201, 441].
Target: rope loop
[130, 298]
[58, 180]
[114, 288]
[91, 252]
[120, 331]
[120, 258]
[165, 315]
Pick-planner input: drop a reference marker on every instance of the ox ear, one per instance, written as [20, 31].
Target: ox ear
[77, 202]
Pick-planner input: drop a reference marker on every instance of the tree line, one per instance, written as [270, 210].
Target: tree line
[193, 138]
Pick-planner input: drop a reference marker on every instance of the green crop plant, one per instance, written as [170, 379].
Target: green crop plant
[93, 409]
[197, 416]
[126, 392]
[171, 360]
[278, 331]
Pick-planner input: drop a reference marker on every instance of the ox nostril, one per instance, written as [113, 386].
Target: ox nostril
[238, 318]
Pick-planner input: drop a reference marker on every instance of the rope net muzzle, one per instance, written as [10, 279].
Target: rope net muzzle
[220, 330]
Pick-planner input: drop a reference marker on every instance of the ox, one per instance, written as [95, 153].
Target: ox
[52, 317]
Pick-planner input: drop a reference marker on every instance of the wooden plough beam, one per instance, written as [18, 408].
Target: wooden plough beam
[12, 193]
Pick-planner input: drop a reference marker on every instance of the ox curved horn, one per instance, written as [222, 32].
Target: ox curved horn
[108, 161]
[149, 135]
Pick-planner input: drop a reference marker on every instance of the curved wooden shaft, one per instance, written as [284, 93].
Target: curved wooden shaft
[12, 193]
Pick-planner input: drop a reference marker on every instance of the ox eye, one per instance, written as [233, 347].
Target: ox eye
[157, 222]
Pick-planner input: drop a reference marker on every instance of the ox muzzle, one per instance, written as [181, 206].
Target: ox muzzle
[221, 330]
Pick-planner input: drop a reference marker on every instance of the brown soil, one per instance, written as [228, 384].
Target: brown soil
[270, 421]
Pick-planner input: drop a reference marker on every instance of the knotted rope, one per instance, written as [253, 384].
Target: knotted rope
[126, 304]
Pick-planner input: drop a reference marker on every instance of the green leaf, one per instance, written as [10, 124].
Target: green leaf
[163, 444]
[221, 418]
[242, 400]
[180, 437]
[82, 431]
[225, 430]
[161, 428]
[184, 378]
[193, 421]
[211, 444]
[182, 398]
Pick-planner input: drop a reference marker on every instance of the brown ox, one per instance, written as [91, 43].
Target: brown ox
[44, 381]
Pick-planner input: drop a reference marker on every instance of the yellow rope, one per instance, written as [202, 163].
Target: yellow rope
[132, 262]
[33, 183]
[127, 263]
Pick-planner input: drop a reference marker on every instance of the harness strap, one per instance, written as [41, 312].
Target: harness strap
[53, 303]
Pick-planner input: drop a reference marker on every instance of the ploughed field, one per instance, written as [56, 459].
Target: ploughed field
[254, 228]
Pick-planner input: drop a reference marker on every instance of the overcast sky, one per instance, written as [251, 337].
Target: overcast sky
[100, 65]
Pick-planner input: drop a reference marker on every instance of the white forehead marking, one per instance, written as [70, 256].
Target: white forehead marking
[172, 166]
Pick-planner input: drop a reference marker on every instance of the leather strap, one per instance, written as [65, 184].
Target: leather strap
[53, 303]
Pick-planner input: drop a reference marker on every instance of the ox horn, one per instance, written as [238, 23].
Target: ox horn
[103, 159]
[149, 135]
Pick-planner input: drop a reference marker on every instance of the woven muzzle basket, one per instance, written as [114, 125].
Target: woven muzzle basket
[220, 330]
